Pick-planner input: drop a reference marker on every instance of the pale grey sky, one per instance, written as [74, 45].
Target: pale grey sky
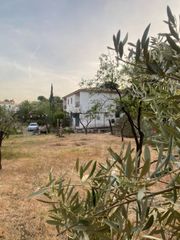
[60, 41]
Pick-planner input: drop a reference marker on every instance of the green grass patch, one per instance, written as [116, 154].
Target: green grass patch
[9, 153]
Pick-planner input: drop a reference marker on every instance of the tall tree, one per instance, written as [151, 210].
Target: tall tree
[51, 99]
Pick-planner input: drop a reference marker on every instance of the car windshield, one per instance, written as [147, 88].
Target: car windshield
[33, 124]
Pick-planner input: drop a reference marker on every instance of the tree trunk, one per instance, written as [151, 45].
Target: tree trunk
[1, 139]
[110, 125]
[85, 127]
[122, 130]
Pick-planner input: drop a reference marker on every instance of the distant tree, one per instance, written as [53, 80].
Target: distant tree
[42, 99]
[58, 103]
[24, 111]
[44, 111]
[58, 116]
[51, 99]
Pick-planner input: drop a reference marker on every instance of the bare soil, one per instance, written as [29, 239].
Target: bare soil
[27, 161]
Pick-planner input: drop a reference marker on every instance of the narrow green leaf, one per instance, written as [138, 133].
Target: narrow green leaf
[93, 169]
[129, 167]
[145, 34]
[131, 44]
[165, 215]
[46, 201]
[118, 36]
[173, 44]
[125, 39]
[138, 50]
[59, 188]
[68, 186]
[81, 172]
[115, 156]
[121, 50]
[51, 178]
[170, 16]
[87, 165]
[74, 197]
[146, 167]
[165, 21]
[170, 219]
[93, 197]
[147, 154]
[122, 150]
[77, 165]
[145, 50]
[111, 48]
[173, 32]
[149, 223]
[39, 192]
[115, 43]
[53, 222]
[70, 193]
[128, 151]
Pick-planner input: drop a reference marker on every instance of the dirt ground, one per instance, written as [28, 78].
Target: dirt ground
[27, 161]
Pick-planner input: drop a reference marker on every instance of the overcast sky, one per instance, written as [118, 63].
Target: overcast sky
[60, 41]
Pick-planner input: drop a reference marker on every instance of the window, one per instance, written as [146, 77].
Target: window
[98, 117]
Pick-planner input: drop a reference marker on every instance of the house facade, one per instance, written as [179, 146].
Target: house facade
[9, 105]
[90, 107]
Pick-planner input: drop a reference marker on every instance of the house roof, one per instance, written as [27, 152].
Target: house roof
[7, 101]
[93, 90]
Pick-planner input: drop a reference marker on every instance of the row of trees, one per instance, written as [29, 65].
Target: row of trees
[44, 111]
[121, 199]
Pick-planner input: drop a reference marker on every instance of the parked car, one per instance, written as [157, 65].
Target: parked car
[33, 127]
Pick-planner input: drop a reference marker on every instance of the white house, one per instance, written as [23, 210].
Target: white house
[9, 105]
[92, 108]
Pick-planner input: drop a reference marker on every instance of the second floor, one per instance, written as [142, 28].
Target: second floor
[83, 100]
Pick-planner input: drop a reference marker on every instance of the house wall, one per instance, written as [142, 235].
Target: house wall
[83, 101]
[70, 103]
[10, 106]
[88, 100]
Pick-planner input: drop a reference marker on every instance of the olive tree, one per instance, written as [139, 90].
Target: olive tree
[7, 126]
[121, 198]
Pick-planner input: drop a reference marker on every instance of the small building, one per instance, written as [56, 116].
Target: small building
[93, 108]
[9, 105]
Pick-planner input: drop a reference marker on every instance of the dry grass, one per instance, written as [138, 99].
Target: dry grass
[27, 161]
